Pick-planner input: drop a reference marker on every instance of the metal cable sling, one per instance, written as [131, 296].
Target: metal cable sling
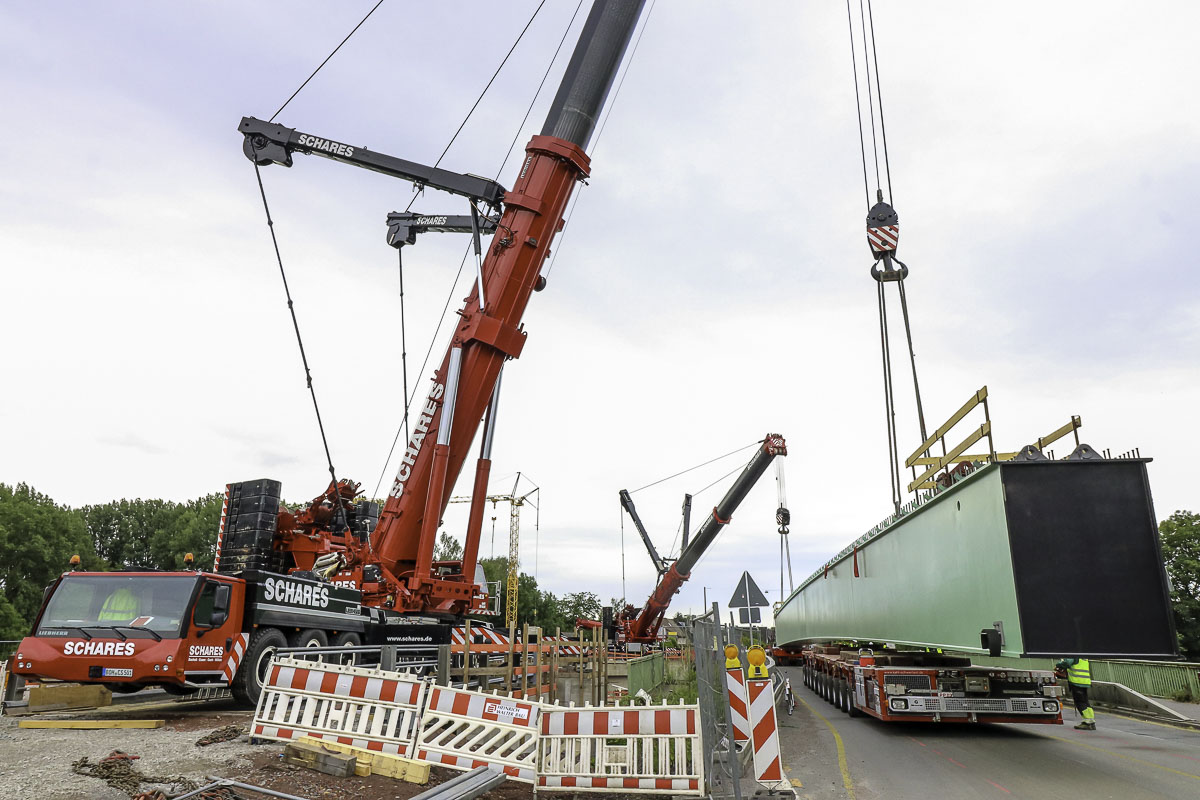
[883, 234]
[300, 342]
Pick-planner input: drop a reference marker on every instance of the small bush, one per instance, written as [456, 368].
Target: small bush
[1183, 695]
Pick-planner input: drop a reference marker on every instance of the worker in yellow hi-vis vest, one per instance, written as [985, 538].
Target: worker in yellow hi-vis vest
[120, 606]
[1079, 677]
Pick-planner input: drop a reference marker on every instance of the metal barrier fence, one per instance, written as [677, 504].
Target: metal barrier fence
[1167, 679]
[722, 769]
[647, 672]
[1152, 678]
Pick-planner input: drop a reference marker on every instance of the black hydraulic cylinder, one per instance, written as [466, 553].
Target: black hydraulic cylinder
[627, 504]
[773, 445]
[593, 67]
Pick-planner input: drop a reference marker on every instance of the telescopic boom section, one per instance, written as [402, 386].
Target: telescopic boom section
[645, 627]
[447, 420]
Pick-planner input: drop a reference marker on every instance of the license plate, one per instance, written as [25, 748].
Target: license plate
[118, 672]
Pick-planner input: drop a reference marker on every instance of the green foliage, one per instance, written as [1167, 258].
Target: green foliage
[535, 607]
[447, 548]
[155, 533]
[1180, 536]
[37, 540]
[580, 605]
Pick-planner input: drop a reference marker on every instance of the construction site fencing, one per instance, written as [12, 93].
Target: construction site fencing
[356, 706]
[463, 730]
[639, 749]
[622, 749]
[722, 768]
[646, 672]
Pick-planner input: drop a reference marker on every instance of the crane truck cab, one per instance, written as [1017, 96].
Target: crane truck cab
[129, 630]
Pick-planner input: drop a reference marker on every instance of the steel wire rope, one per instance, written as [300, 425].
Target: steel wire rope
[537, 93]
[326, 61]
[408, 399]
[299, 340]
[698, 466]
[862, 145]
[600, 132]
[428, 352]
[879, 94]
[870, 96]
[479, 99]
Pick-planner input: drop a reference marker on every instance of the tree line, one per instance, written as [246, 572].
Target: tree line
[38, 538]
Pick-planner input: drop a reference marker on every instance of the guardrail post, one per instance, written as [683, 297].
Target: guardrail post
[443, 665]
[387, 658]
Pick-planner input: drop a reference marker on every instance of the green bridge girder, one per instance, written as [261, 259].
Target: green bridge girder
[1063, 554]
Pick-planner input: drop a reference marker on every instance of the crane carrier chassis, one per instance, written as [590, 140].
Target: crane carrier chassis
[928, 687]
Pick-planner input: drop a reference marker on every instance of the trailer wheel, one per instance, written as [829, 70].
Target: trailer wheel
[347, 640]
[844, 695]
[853, 709]
[248, 682]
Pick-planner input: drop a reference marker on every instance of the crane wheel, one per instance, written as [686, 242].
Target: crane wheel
[248, 682]
[310, 637]
[347, 639]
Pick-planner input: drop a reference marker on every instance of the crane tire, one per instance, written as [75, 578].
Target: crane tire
[347, 639]
[310, 637]
[248, 682]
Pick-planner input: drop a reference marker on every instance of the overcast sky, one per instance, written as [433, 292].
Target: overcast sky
[712, 285]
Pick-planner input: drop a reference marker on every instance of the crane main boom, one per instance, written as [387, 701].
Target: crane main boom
[486, 337]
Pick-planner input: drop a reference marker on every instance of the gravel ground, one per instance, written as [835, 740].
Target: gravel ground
[36, 763]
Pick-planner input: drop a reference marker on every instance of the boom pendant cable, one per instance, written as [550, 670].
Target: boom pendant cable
[326, 61]
[300, 342]
[408, 399]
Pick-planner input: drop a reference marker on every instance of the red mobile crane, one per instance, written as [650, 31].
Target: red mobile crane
[640, 626]
[272, 584]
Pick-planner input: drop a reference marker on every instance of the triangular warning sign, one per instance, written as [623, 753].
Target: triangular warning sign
[747, 594]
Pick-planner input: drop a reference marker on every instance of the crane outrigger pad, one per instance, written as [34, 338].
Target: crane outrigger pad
[1051, 557]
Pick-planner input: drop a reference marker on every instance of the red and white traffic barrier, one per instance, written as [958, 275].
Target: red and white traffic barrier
[351, 705]
[764, 727]
[648, 749]
[735, 683]
[464, 730]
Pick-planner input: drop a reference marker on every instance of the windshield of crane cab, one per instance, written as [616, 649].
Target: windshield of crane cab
[102, 601]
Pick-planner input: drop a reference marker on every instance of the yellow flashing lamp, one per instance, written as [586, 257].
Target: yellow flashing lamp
[758, 659]
[731, 657]
[188, 559]
[76, 562]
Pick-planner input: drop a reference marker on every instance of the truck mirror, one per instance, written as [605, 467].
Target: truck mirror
[220, 610]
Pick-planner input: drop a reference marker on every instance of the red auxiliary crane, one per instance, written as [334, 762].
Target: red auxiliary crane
[330, 573]
[641, 625]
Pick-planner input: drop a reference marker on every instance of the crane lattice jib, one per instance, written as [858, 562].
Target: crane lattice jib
[514, 545]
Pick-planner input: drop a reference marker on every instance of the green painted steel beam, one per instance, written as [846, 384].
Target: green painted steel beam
[1063, 554]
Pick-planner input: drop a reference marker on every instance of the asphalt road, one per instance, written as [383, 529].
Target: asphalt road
[831, 755]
